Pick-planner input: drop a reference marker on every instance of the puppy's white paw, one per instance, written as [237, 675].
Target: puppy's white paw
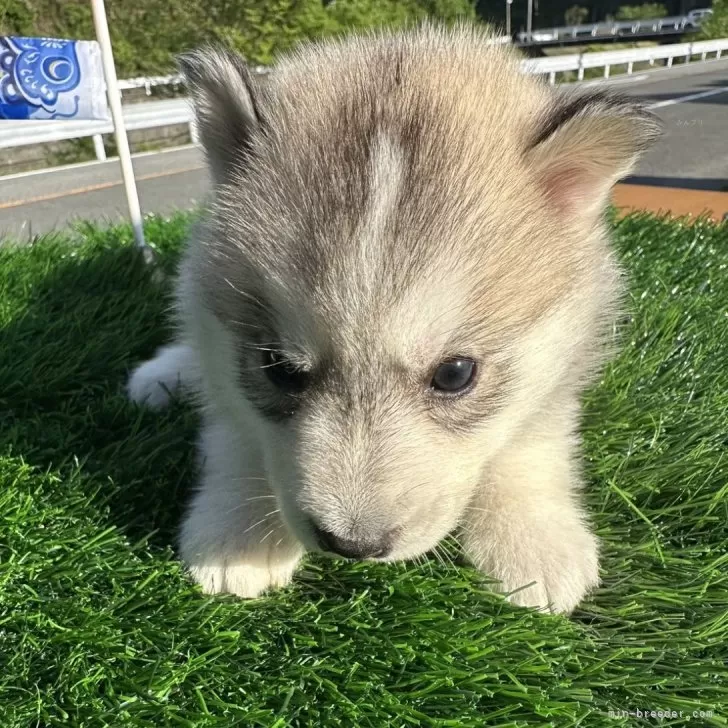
[145, 387]
[154, 382]
[564, 570]
[246, 580]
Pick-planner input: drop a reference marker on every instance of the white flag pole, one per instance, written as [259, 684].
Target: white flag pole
[122, 143]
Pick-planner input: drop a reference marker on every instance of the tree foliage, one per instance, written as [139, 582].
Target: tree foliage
[576, 15]
[716, 25]
[147, 34]
[642, 12]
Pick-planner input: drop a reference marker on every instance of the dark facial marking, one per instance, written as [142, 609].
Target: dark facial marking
[283, 374]
[271, 382]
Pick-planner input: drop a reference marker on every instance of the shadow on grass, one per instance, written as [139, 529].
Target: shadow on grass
[81, 316]
[73, 321]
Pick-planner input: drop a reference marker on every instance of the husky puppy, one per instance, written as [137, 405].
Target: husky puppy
[389, 312]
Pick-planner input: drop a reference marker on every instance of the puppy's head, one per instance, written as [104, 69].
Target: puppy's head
[404, 262]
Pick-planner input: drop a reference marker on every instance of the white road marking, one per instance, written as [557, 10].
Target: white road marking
[691, 97]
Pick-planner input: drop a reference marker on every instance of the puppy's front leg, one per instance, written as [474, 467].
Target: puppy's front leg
[233, 538]
[526, 524]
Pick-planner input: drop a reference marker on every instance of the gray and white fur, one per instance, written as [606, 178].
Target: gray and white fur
[384, 204]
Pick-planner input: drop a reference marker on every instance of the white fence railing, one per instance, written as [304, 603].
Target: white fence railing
[149, 115]
[170, 112]
[579, 62]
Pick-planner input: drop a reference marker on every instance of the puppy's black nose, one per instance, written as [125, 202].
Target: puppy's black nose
[354, 549]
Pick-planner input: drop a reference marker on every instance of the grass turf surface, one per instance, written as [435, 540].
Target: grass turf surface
[99, 626]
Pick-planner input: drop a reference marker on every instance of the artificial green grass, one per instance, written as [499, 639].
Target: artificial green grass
[100, 627]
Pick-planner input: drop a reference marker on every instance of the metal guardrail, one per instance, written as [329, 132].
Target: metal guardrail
[579, 62]
[148, 82]
[170, 112]
[556, 64]
[617, 28]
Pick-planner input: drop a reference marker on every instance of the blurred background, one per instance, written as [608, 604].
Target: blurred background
[35, 192]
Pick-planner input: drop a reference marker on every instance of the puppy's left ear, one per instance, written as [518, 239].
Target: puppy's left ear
[226, 100]
[583, 145]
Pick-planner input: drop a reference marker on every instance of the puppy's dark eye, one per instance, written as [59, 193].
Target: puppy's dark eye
[454, 376]
[283, 374]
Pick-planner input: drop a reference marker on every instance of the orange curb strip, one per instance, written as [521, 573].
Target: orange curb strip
[677, 202]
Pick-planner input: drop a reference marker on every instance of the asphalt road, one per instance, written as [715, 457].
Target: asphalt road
[692, 102]
[37, 202]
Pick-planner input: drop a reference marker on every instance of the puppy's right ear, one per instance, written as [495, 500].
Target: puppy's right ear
[225, 98]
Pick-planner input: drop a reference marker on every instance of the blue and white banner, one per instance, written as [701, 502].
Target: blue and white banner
[47, 78]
